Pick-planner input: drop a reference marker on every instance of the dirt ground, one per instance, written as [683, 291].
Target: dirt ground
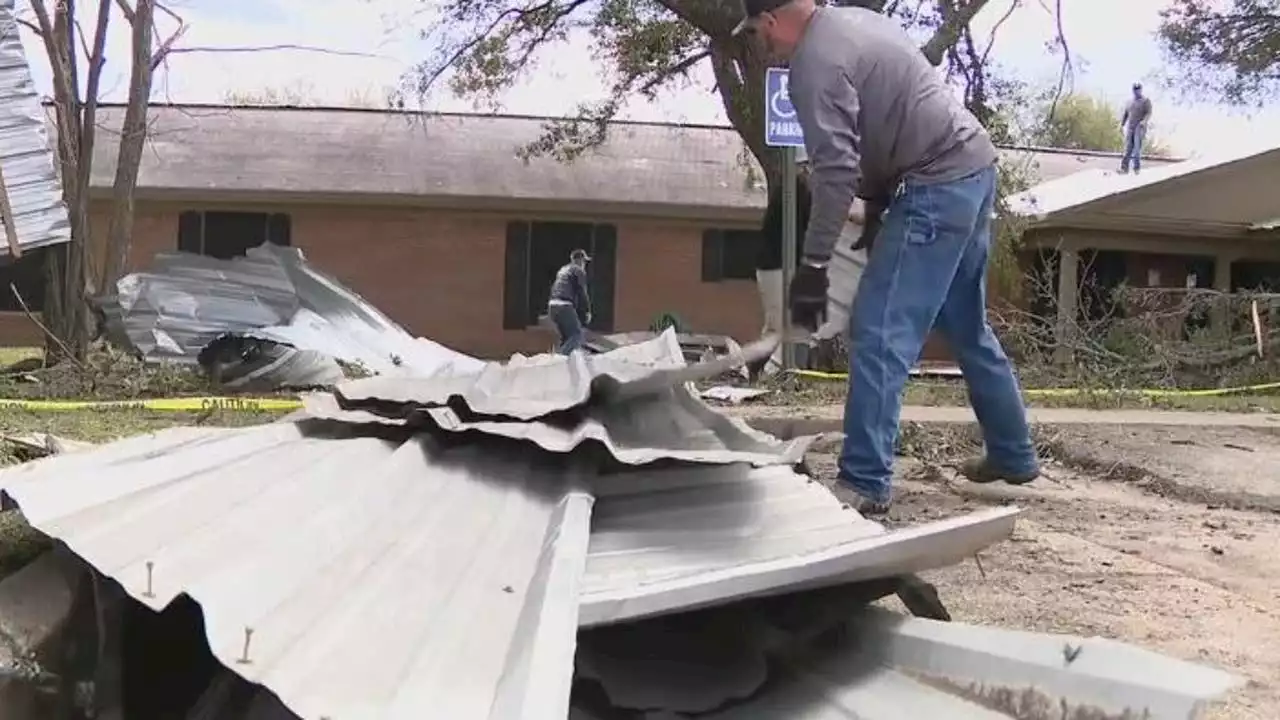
[1166, 537]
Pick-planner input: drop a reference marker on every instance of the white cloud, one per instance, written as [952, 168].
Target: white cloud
[1110, 55]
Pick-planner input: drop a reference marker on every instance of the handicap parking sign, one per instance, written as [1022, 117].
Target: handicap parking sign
[781, 127]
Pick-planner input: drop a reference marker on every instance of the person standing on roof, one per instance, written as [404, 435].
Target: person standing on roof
[569, 302]
[881, 123]
[1137, 115]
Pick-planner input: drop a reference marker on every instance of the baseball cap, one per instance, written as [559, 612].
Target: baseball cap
[579, 254]
[753, 8]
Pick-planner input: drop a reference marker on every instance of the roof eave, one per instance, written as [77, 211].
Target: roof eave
[585, 207]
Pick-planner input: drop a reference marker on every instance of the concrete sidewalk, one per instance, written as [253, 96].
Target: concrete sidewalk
[792, 421]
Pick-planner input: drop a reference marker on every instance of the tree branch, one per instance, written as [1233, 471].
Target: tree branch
[680, 68]
[271, 48]
[127, 11]
[954, 21]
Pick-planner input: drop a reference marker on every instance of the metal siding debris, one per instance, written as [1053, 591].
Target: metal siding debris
[185, 301]
[353, 576]
[835, 658]
[26, 155]
[670, 426]
[526, 388]
[1018, 671]
[681, 538]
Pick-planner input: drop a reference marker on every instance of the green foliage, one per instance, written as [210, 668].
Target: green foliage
[1226, 48]
[1081, 122]
[484, 47]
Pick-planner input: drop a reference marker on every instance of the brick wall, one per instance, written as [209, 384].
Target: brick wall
[440, 273]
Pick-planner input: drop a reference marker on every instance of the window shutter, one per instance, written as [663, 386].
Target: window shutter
[191, 232]
[515, 285]
[603, 272]
[280, 229]
[712, 256]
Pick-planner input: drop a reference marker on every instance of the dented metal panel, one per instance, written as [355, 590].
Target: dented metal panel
[681, 538]
[526, 388]
[183, 301]
[352, 576]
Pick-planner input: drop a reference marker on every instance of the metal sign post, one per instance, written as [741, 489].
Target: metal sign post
[782, 129]
[788, 252]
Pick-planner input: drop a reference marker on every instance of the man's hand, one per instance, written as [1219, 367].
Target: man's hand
[870, 227]
[588, 320]
[808, 295]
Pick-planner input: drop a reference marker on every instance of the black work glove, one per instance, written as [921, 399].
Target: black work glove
[873, 213]
[808, 296]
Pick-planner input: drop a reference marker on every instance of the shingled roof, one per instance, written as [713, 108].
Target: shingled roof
[346, 155]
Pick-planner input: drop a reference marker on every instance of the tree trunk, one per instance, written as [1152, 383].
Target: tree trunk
[740, 72]
[64, 311]
[133, 135]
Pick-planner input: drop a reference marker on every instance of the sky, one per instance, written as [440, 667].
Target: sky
[1112, 44]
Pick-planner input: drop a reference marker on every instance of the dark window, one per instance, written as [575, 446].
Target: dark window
[225, 235]
[26, 273]
[536, 250]
[729, 254]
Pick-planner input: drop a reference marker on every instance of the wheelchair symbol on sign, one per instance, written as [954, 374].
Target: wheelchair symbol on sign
[780, 102]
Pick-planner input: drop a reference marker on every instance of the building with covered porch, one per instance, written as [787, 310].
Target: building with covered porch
[1210, 223]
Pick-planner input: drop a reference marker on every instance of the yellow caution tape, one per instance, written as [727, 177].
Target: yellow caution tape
[1069, 392]
[184, 404]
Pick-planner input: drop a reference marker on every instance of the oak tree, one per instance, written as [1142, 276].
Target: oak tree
[485, 47]
[1227, 48]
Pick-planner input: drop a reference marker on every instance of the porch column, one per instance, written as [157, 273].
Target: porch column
[1220, 317]
[1068, 302]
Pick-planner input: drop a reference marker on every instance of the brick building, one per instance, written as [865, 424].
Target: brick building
[440, 224]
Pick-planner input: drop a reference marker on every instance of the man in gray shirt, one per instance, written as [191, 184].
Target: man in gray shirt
[880, 123]
[569, 303]
[1137, 114]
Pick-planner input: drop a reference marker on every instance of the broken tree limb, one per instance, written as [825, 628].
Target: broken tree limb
[6, 214]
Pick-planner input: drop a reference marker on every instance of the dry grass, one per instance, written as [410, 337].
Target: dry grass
[800, 391]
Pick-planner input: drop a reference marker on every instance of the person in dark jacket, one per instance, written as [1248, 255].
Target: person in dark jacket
[569, 302]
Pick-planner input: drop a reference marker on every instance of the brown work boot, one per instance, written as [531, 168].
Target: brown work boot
[867, 507]
[980, 470]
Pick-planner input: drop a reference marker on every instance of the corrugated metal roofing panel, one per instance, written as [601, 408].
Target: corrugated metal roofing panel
[1078, 190]
[682, 538]
[855, 661]
[673, 425]
[356, 577]
[26, 155]
[532, 387]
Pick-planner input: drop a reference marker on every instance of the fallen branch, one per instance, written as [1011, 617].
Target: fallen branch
[26, 309]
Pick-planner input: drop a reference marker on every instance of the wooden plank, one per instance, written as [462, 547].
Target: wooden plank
[6, 211]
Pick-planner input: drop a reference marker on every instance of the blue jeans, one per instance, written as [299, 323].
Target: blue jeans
[568, 326]
[1133, 139]
[928, 268]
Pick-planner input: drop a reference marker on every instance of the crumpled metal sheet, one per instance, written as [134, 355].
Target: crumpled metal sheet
[533, 387]
[184, 301]
[355, 576]
[669, 424]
